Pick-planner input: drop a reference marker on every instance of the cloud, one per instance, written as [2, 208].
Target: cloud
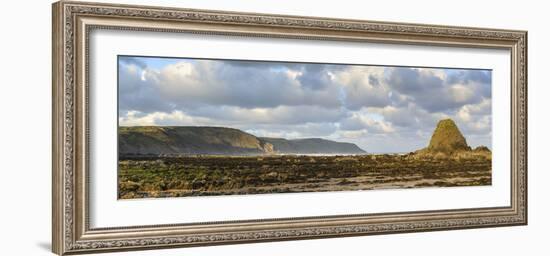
[361, 86]
[174, 118]
[137, 94]
[201, 82]
[276, 115]
[133, 61]
[372, 106]
[293, 131]
[472, 75]
[468, 112]
[315, 77]
[475, 118]
[433, 91]
[410, 116]
[362, 121]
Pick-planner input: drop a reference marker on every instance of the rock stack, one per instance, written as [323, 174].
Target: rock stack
[447, 138]
[448, 141]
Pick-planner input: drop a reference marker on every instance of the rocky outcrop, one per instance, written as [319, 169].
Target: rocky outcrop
[447, 138]
[448, 141]
[482, 149]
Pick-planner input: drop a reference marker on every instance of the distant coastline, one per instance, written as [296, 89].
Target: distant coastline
[192, 140]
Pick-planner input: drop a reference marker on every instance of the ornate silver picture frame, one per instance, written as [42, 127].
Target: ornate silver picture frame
[74, 21]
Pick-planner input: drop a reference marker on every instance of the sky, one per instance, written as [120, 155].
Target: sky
[379, 108]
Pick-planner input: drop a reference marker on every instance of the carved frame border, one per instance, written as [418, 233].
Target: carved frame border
[72, 22]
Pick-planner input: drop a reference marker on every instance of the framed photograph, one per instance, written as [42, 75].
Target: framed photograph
[179, 127]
